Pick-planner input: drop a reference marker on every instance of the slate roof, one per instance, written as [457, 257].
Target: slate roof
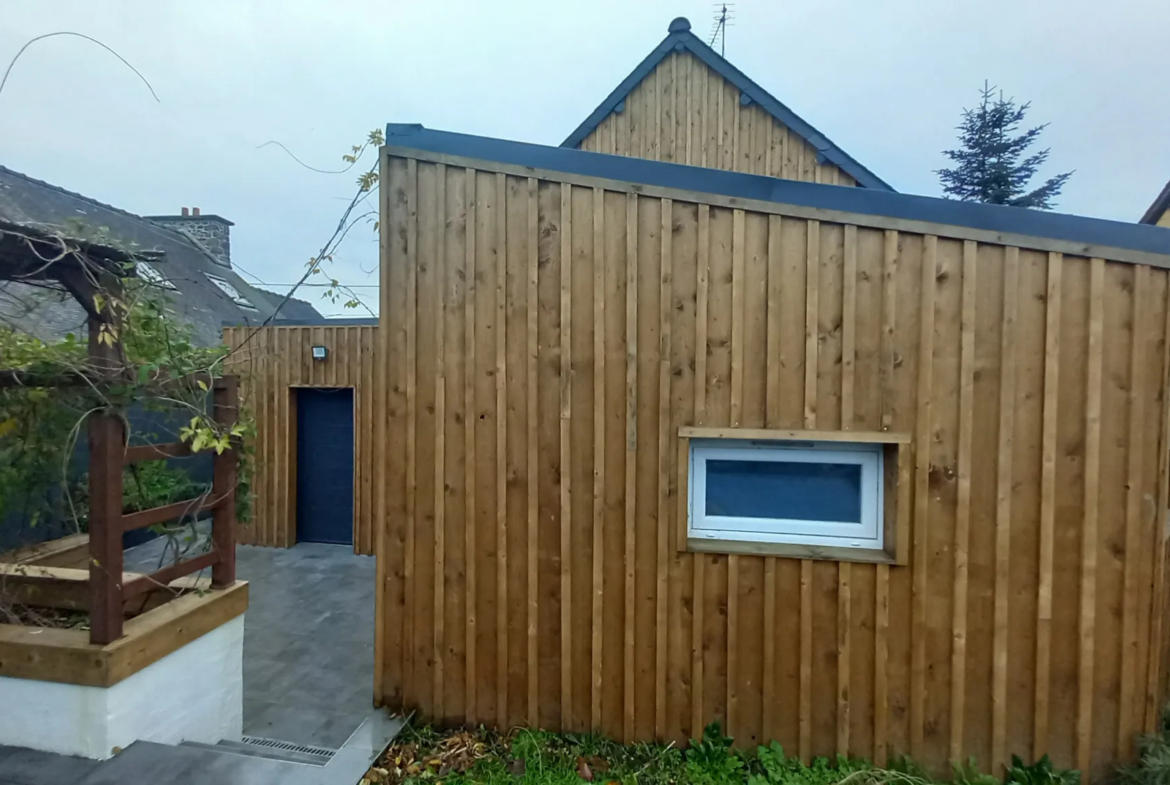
[28, 201]
[1080, 232]
[680, 38]
[294, 309]
[1158, 208]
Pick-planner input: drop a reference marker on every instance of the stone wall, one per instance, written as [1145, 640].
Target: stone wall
[211, 231]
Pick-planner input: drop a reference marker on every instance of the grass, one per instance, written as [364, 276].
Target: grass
[422, 755]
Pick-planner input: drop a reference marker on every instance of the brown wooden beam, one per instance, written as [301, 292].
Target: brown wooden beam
[161, 578]
[154, 452]
[225, 472]
[168, 512]
[107, 445]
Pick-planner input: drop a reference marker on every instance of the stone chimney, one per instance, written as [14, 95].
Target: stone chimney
[210, 231]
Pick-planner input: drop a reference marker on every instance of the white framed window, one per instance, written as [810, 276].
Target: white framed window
[148, 273]
[817, 494]
[226, 287]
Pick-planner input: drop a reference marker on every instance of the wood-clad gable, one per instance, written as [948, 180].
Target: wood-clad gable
[685, 112]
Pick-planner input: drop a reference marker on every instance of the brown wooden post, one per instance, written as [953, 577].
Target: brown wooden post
[223, 486]
[107, 446]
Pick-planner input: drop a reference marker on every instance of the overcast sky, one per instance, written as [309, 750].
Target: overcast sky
[885, 81]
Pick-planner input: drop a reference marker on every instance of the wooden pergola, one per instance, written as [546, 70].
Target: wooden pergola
[32, 255]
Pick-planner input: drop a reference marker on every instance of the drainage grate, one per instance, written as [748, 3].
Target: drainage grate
[288, 746]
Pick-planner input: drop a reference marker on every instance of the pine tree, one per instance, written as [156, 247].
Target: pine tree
[988, 166]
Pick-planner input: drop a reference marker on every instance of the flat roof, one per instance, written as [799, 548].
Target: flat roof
[1082, 232]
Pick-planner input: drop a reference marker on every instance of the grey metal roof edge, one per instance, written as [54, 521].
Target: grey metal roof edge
[1160, 206]
[324, 321]
[679, 36]
[842, 199]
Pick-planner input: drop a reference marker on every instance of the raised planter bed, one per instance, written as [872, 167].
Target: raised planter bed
[176, 673]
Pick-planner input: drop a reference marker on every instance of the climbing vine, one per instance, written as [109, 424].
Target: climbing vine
[155, 375]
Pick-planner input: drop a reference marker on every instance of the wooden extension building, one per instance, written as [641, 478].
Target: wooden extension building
[644, 444]
[562, 331]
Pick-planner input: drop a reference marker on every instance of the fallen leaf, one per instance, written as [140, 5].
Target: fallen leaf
[583, 770]
[597, 764]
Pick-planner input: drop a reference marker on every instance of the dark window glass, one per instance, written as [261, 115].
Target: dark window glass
[799, 491]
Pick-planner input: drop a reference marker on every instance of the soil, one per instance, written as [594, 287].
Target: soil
[45, 617]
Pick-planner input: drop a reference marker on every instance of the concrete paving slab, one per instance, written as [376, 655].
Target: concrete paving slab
[308, 639]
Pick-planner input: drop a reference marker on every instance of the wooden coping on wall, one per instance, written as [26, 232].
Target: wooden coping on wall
[67, 656]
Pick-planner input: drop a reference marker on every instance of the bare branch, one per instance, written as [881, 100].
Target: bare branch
[32, 41]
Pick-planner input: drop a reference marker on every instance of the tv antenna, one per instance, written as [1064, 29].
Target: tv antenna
[723, 19]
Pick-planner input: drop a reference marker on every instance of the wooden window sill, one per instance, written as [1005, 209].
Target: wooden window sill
[790, 550]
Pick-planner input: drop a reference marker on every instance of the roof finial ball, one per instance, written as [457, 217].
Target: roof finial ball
[680, 25]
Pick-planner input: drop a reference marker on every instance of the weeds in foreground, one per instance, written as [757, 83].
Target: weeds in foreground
[423, 756]
[1153, 764]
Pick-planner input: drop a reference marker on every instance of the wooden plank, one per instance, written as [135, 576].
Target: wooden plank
[844, 634]
[665, 316]
[887, 404]
[566, 372]
[154, 452]
[812, 435]
[699, 590]
[1003, 509]
[631, 461]
[1047, 505]
[811, 337]
[501, 376]
[438, 641]
[811, 342]
[420, 636]
[881, 684]
[922, 496]
[737, 314]
[775, 286]
[599, 452]
[963, 513]
[844, 569]
[1155, 678]
[701, 315]
[1089, 543]
[806, 633]
[1133, 508]
[772, 420]
[68, 551]
[186, 509]
[848, 327]
[469, 420]
[533, 472]
[737, 350]
[409, 677]
[165, 576]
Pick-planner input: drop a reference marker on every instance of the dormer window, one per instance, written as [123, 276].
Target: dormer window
[148, 273]
[231, 291]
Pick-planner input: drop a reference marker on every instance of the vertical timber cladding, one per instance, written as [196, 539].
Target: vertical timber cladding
[272, 362]
[685, 112]
[543, 343]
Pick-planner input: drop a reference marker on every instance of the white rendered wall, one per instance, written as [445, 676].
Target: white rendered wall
[193, 694]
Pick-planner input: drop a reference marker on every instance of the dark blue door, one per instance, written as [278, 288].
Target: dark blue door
[325, 466]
